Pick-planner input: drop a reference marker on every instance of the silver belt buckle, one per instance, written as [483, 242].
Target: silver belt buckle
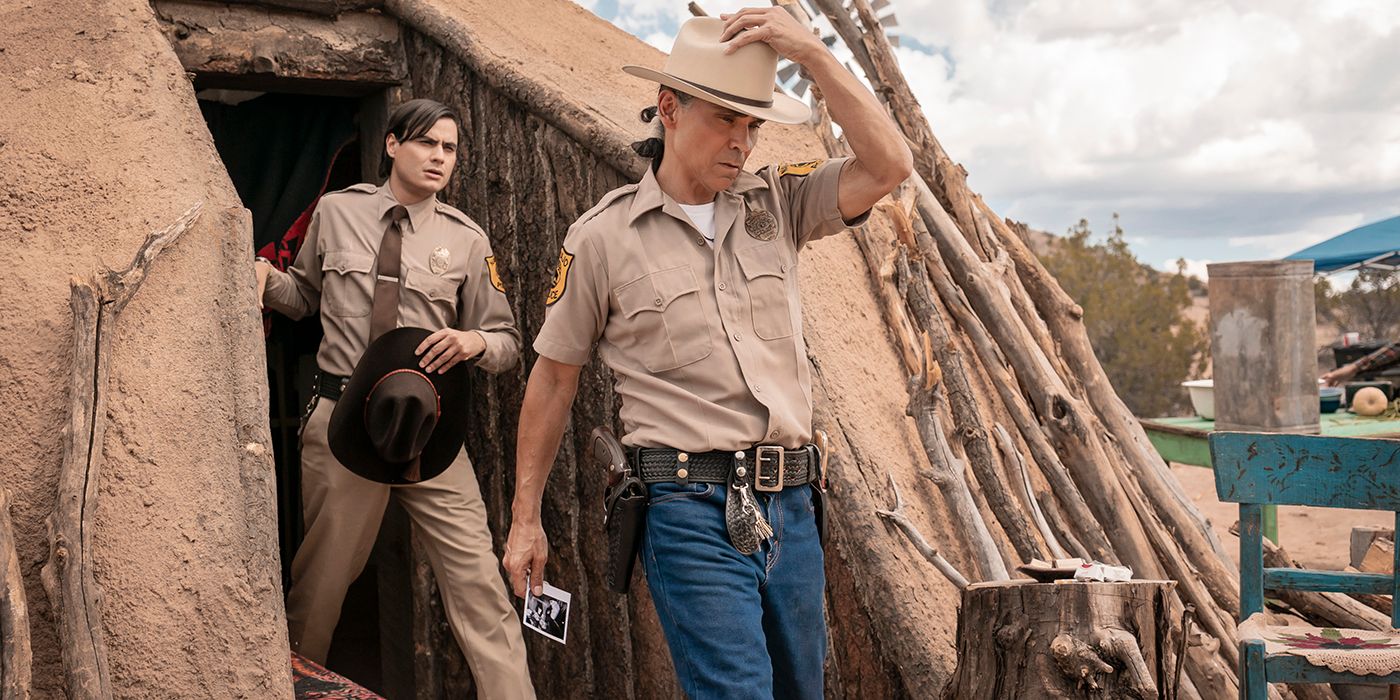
[768, 456]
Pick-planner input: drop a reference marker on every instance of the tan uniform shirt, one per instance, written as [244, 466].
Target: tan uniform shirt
[705, 344]
[449, 277]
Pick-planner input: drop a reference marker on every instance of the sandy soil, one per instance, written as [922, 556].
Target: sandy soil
[1316, 537]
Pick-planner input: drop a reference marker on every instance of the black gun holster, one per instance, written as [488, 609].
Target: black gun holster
[625, 509]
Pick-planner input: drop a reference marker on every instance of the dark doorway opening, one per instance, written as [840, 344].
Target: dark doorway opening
[283, 150]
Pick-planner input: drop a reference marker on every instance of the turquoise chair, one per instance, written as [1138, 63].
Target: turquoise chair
[1258, 469]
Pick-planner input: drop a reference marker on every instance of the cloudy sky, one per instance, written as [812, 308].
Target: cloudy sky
[1218, 129]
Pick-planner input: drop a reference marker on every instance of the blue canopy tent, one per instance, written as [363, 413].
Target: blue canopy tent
[1374, 245]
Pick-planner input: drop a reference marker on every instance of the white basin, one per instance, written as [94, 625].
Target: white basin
[1202, 397]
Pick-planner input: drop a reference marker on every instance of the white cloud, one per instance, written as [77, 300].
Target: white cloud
[1287, 242]
[1217, 128]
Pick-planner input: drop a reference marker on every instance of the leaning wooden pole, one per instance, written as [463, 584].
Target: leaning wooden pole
[16, 657]
[68, 575]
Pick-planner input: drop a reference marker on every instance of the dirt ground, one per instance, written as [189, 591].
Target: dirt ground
[1317, 537]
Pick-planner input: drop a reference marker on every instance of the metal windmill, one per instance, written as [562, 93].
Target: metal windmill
[789, 73]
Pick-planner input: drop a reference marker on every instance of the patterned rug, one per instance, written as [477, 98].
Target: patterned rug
[313, 682]
[1364, 652]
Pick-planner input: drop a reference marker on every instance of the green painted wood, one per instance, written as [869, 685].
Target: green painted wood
[1395, 582]
[1254, 672]
[1339, 424]
[1335, 581]
[1260, 469]
[1291, 668]
[1251, 560]
[1182, 449]
[1307, 470]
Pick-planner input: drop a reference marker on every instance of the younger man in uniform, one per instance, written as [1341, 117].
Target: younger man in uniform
[448, 284]
[690, 280]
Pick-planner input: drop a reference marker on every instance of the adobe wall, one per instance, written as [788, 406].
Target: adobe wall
[101, 142]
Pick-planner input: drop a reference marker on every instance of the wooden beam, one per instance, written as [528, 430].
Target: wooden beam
[68, 576]
[243, 41]
[328, 8]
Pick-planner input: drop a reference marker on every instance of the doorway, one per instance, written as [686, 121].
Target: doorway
[283, 150]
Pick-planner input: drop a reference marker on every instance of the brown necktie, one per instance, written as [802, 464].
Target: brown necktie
[385, 314]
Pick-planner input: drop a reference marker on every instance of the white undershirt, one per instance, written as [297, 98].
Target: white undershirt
[703, 216]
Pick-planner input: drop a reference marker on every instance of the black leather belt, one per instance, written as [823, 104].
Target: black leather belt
[330, 385]
[768, 467]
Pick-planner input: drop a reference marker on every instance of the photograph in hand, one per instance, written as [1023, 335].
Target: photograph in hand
[547, 613]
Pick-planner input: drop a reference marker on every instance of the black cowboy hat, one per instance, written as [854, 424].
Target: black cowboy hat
[395, 423]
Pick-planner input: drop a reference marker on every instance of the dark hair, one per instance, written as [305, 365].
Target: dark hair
[410, 120]
[655, 144]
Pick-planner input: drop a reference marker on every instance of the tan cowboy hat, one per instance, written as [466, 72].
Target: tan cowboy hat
[742, 81]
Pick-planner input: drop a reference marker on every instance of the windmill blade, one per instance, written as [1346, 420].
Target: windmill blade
[888, 21]
[800, 89]
[879, 5]
[786, 72]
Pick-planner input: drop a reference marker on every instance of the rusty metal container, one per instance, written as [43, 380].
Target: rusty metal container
[1262, 334]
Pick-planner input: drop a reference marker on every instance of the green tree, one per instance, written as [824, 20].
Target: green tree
[1135, 317]
[1370, 305]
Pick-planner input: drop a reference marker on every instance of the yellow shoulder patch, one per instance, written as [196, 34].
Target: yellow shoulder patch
[798, 169]
[561, 277]
[495, 274]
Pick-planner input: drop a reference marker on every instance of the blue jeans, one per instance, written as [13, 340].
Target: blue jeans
[737, 626]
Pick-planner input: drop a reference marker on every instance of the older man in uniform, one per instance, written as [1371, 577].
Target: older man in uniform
[689, 278]
[376, 258]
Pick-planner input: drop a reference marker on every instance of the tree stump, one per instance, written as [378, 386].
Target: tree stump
[1019, 639]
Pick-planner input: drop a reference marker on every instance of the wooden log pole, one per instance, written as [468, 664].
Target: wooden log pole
[356, 51]
[962, 401]
[68, 575]
[16, 656]
[946, 472]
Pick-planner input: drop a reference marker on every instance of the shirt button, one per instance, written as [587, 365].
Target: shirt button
[738, 337]
[722, 286]
[775, 434]
[757, 388]
[657, 301]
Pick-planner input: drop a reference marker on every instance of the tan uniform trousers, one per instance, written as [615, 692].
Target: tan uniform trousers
[343, 513]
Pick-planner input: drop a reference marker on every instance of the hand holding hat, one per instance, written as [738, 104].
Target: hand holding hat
[735, 75]
[773, 26]
[394, 423]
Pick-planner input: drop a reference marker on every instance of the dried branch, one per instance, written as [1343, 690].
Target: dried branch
[896, 515]
[1008, 448]
[68, 574]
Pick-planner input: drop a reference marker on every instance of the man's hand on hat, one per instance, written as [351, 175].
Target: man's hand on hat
[442, 350]
[772, 25]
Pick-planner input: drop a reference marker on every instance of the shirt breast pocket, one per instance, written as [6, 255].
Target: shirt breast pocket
[347, 287]
[766, 272]
[667, 328]
[432, 292]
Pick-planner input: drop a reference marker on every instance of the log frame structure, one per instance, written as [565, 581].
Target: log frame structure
[979, 337]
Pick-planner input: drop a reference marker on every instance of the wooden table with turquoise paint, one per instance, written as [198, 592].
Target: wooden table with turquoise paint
[1183, 440]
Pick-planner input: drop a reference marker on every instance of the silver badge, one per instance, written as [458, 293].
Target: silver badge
[439, 261]
[761, 225]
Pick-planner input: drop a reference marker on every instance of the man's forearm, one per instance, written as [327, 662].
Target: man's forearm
[1380, 359]
[873, 137]
[543, 416]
